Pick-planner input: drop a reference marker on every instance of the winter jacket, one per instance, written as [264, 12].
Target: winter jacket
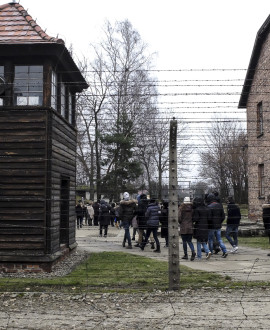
[90, 211]
[127, 210]
[185, 218]
[104, 217]
[266, 218]
[201, 218]
[96, 208]
[79, 210]
[217, 215]
[142, 207]
[113, 214]
[152, 215]
[233, 214]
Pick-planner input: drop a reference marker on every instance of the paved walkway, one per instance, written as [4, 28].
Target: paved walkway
[249, 264]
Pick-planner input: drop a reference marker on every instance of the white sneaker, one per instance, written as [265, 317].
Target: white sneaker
[234, 249]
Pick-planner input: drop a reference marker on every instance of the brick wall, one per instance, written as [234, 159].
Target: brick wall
[259, 146]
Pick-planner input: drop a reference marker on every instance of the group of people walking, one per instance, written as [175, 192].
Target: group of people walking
[100, 214]
[202, 219]
[147, 215]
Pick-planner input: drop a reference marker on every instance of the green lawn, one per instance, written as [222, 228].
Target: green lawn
[261, 242]
[119, 272]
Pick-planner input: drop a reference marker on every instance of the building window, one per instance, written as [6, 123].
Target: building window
[259, 119]
[70, 108]
[261, 180]
[63, 99]
[28, 85]
[2, 84]
[54, 91]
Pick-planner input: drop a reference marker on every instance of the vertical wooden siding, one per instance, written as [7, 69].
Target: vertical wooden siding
[63, 164]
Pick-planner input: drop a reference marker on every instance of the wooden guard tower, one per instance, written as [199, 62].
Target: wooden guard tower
[38, 84]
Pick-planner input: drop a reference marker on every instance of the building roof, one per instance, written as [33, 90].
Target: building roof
[259, 41]
[19, 30]
[17, 26]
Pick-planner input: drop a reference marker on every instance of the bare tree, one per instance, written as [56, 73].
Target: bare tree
[224, 159]
[110, 113]
[90, 107]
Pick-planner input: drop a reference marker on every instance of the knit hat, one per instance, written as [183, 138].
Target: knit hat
[186, 200]
[126, 196]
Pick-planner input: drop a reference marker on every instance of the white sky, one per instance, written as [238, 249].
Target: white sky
[185, 34]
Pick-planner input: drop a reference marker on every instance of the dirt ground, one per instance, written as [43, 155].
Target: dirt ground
[200, 309]
[206, 308]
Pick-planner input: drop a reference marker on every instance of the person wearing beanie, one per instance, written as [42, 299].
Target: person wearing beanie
[186, 227]
[126, 211]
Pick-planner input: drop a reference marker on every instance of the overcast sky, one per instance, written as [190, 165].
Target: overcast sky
[185, 34]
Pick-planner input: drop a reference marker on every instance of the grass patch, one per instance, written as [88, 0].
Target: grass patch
[261, 242]
[122, 273]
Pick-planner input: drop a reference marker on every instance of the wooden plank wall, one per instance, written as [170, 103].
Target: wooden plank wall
[22, 182]
[63, 164]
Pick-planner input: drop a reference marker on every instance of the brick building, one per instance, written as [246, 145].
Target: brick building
[255, 98]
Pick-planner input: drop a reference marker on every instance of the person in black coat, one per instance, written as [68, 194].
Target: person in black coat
[96, 206]
[152, 221]
[163, 219]
[217, 216]
[201, 218]
[104, 217]
[266, 218]
[141, 220]
[113, 215]
[233, 221]
[79, 215]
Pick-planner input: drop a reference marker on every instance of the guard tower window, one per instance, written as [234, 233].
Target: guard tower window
[28, 85]
[70, 108]
[63, 99]
[2, 83]
[54, 91]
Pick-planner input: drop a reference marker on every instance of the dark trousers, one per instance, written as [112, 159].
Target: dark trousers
[95, 220]
[79, 221]
[105, 229]
[187, 241]
[150, 230]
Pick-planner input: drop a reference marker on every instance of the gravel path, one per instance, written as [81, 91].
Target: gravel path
[200, 309]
